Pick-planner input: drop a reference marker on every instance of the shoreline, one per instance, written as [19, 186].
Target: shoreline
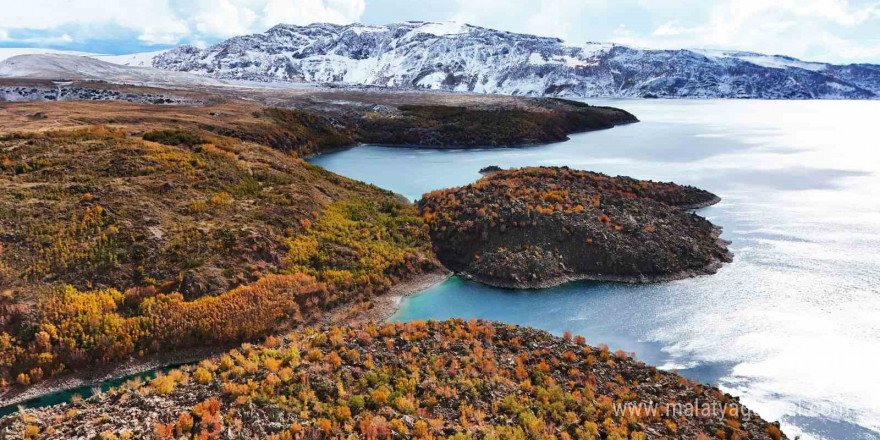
[107, 373]
[710, 269]
[385, 305]
[382, 308]
[695, 206]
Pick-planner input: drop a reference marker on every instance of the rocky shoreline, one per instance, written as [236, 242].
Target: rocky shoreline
[99, 374]
[710, 269]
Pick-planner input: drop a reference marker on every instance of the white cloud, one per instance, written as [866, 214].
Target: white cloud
[673, 28]
[312, 11]
[171, 21]
[823, 30]
[564, 19]
[222, 18]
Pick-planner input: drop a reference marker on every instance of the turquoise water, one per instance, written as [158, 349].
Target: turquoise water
[791, 326]
[84, 391]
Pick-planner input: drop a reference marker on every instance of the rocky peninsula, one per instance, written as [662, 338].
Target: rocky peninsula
[540, 227]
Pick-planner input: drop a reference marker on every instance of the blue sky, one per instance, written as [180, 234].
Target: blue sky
[823, 30]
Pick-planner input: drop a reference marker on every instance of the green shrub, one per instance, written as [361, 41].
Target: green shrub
[174, 137]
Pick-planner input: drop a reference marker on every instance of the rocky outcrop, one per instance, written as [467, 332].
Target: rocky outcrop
[65, 93]
[452, 379]
[540, 227]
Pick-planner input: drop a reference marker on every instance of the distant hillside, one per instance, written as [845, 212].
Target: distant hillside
[461, 57]
[9, 52]
[74, 67]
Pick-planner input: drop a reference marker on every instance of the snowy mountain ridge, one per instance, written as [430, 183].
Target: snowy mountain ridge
[461, 57]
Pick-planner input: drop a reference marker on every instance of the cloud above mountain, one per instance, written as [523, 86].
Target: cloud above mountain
[163, 22]
[839, 31]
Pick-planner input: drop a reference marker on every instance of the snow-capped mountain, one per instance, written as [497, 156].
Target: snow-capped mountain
[460, 57]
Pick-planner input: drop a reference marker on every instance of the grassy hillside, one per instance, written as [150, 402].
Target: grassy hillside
[113, 246]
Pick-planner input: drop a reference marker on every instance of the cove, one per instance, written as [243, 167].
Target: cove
[84, 391]
[789, 326]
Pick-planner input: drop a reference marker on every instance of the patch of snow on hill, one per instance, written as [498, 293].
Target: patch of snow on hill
[71, 67]
[441, 29]
[771, 61]
[9, 52]
[142, 59]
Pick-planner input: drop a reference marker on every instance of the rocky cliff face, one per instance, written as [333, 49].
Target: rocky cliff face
[460, 57]
[539, 227]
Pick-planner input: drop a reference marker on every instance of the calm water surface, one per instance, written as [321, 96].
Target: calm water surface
[792, 326]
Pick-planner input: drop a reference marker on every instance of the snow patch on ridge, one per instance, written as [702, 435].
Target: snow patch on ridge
[9, 52]
[771, 61]
[143, 59]
[442, 28]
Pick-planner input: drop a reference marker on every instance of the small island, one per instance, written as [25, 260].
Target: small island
[540, 227]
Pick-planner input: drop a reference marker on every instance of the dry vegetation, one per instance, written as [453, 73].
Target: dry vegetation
[114, 246]
[312, 121]
[536, 227]
[130, 229]
[456, 380]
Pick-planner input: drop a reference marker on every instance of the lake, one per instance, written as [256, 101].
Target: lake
[792, 326]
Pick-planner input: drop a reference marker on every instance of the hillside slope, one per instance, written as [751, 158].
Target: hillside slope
[450, 56]
[457, 380]
[115, 245]
[72, 67]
